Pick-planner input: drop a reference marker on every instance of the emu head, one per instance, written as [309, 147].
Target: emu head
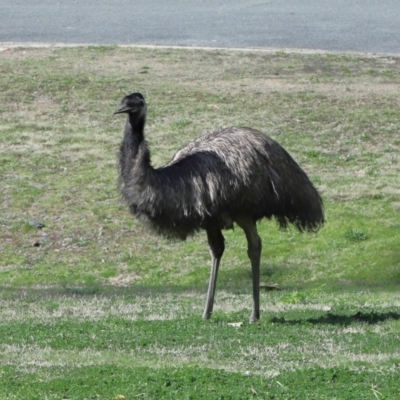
[133, 104]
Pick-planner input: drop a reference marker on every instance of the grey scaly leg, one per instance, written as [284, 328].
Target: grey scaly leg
[217, 246]
[254, 253]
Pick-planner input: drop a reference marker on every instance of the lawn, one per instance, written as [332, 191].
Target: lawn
[93, 307]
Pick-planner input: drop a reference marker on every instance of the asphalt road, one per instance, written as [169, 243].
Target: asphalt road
[333, 25]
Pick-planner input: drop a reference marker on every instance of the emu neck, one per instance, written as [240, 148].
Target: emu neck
[134, 131]
[134, 155]
[135, 127]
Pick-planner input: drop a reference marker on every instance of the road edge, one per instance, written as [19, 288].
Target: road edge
[4, 46]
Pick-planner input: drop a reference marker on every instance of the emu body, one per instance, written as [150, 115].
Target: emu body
[232, 175]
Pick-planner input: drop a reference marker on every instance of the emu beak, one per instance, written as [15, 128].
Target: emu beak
[122, 109]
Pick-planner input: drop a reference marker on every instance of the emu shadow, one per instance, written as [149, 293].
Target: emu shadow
[370, 318]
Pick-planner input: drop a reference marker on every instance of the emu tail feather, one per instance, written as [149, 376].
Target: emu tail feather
[298, 201]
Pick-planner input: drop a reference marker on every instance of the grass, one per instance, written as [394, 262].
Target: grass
[92, 307]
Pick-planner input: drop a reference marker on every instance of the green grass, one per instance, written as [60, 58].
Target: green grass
[201, 383]
[142, 341]
[93, 307]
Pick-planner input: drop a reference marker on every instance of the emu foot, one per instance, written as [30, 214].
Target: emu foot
[254, 318]
[206, 316]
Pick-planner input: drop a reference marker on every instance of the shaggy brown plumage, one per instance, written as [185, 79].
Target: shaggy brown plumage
[232, 175]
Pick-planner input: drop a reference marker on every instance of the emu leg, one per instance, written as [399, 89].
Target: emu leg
[216, 242]
[254, 253]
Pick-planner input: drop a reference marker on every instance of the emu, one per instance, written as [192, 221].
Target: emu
[232, 175]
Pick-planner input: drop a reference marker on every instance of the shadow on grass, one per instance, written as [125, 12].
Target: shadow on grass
[51, 292]
[370, 318]
[133, 290]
